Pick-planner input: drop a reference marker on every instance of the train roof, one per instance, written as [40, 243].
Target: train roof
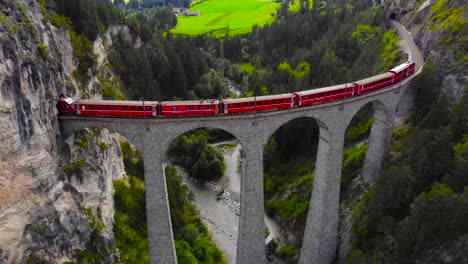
[116, 102]
[401, 66]
[67, 100]
[193, 102]
[325, 89]
[258, 98]
[375, 78]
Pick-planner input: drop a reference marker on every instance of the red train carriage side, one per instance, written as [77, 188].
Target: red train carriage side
[404, 70]
[259, 103]
[189, 108]
[116, 108]
[324, 94]
[238, 105]
[373, 83]
[66, 106]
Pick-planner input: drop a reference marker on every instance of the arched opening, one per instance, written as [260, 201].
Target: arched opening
[354, 151]
[362, 138]
[289, 164]
[393, 16]
[203, 178]
[105, 175]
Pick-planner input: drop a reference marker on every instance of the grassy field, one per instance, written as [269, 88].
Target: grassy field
[227, 17]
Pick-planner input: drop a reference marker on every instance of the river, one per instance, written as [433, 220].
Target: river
[221, 215]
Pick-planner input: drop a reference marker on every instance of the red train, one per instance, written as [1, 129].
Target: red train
[152, 109]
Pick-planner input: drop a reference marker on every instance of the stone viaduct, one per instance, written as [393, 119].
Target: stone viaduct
[153, 136]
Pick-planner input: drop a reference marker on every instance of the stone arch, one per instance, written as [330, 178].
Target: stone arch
[320, 136]
[380, 132]
[232, 192]
[380, 111]
[323, 127]
[178, 132]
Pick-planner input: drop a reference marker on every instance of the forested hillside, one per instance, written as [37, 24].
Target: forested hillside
[415, 212]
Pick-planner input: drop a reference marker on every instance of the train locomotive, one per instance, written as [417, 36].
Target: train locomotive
[153, 109]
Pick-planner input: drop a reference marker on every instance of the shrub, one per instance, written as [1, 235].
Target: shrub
[43, 50]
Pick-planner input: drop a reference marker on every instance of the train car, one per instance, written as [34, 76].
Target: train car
[259, 103]
[375, 82]
[403, 71]
[66, 106]
[116, 108]
[325, 94]
[189, 108]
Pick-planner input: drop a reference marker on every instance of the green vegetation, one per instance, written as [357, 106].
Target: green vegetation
[75, 167]
[353, 159]
[359, 132]
[43, 50]
[84, 142]
[451, 18]
[226, 17]
[83, 50]
[42, 7]
[130, 229]
[302, 70]
[390, 52]
[247, 68]
[132, 160]
[288, 252]
[60, 21]
[192, 241]
[365, 33]
[295, 6]
[419, 202]
[227, 145]
[94, 252]
[111, 88]
[192, 151]
[13, 27]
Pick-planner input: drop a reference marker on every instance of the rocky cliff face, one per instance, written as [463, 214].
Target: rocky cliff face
[45, 212]
[440, 29]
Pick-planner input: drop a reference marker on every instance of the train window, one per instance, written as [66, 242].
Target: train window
[99, 107]
[141, 108]
[190, 107]
[108, 107]
[174, 108]
[208, 107]
[116, 108]
[200, 107]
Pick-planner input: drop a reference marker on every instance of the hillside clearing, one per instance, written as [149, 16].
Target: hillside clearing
[226, 17]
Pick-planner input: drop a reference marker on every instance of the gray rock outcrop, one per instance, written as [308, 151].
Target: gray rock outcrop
[46, 213]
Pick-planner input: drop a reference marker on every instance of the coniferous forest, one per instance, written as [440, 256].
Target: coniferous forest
[419, 203]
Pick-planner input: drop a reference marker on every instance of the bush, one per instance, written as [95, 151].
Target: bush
[192, 151]
[132, 160]
[288, 252]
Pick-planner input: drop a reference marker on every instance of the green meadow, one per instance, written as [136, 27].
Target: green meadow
[226, 17]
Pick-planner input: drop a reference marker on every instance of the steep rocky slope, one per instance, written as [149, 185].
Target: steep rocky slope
[54, 205]
[440, 28]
